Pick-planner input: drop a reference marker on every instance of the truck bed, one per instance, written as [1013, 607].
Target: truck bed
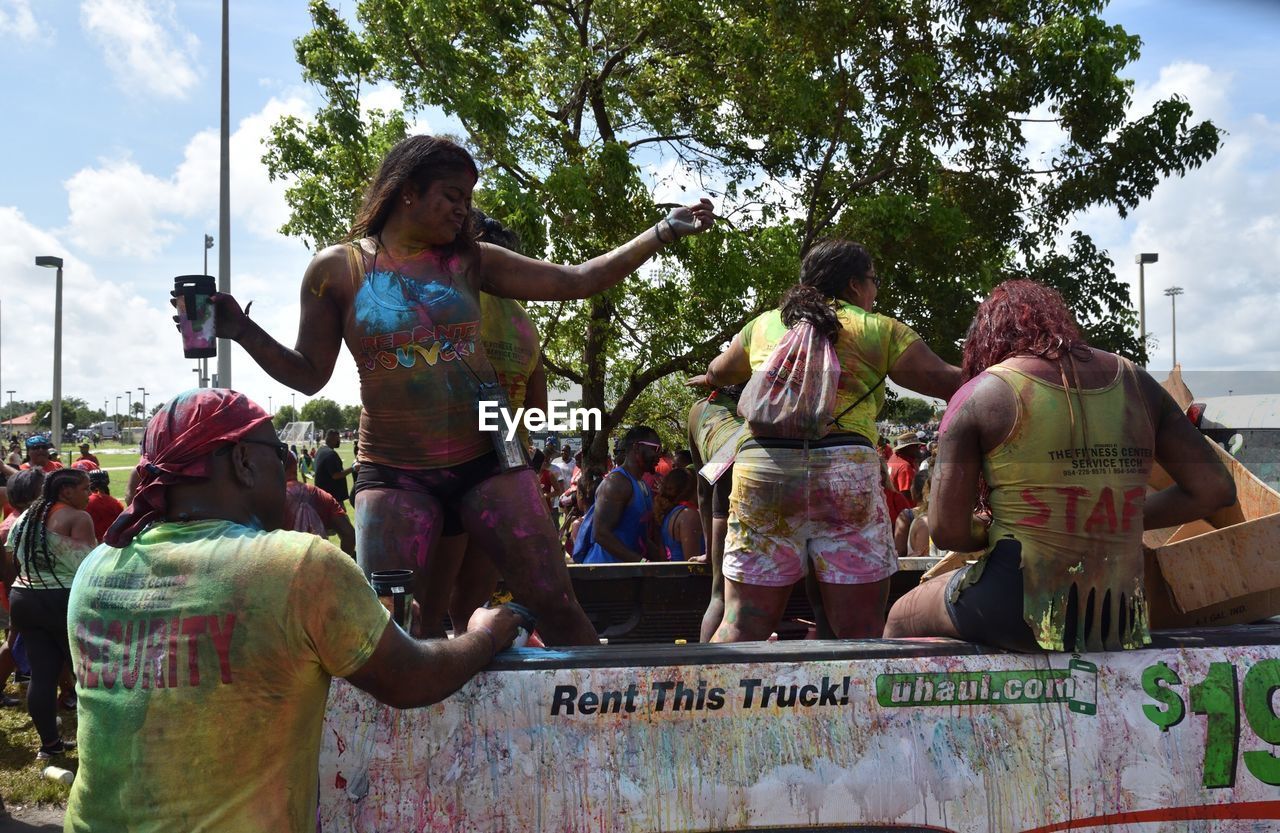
[805, 736]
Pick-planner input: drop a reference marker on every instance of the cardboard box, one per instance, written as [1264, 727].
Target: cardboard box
[1224, 570]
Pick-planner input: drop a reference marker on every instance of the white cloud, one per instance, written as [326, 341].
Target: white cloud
[1200, 85]
[101, 319]
[1217, 231]
[118, 208]
[16, 19]
[143, 45]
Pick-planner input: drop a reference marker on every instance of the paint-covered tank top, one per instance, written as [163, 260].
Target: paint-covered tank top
[414, 330]
[675, 549]
[1069, 483]
[633, 525]
[513, 346]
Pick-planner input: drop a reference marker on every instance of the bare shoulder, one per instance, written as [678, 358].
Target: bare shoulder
[329, 275]
[983, 407]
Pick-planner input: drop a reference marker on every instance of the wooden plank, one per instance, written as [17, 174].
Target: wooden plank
[1223, 564]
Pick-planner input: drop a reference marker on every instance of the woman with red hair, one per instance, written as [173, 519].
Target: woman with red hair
[1063, 436]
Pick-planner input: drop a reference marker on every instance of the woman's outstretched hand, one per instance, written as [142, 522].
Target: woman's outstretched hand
[690, 219]
[229, 322]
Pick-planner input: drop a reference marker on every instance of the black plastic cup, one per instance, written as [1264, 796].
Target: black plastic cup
[195, 315]
[395, 590]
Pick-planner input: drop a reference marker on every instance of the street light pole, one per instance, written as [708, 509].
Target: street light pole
[1142, 260]
[128, 411]
[224, 194]
[1173, 292]
[56, 416]
[117, 415]
[144, 404]
[202, 365]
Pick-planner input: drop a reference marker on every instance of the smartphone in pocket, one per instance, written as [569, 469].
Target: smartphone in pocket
[196, 315]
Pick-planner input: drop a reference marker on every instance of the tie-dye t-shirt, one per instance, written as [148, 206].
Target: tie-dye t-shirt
[203, 653]
[414, 331]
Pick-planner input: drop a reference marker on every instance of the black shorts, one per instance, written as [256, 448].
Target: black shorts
[990, 610]
[447, 485]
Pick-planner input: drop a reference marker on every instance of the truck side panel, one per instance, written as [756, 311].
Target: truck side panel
[964, 742]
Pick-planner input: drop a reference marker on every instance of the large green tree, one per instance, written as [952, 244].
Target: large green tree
[324, 412]
[901, 123]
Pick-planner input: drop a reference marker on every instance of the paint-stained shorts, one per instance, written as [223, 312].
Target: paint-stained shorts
[791, 506]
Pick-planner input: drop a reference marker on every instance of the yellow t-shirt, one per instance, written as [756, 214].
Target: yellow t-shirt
[868, 346]
[514, 348]
[203, 653]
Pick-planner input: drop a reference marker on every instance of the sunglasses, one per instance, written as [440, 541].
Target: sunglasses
[282, 450]
[655, 446]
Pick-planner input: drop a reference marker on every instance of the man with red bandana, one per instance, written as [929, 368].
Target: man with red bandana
[202, 626]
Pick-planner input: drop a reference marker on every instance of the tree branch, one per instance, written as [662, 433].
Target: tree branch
[674, 137]
[561, 370]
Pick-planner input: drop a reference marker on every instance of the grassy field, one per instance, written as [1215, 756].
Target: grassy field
[21, 781]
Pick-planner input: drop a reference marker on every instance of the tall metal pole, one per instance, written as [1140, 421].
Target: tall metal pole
[57, 362]
[224, 195]
[1142, 304]
[1142, 260]
[202, 365]
[128, 417]
[1173, 292]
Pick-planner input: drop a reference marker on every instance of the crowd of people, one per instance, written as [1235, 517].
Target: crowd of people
[203, 621]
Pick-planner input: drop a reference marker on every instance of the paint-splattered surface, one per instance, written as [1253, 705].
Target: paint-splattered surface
[966, 743]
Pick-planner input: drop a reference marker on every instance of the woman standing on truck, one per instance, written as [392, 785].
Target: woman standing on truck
[795, 501]
[404, 296]
[1064, 436]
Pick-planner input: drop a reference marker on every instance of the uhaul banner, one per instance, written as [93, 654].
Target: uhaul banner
[1152, 740]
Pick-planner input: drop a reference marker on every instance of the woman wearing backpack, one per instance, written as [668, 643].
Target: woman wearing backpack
[801, 501]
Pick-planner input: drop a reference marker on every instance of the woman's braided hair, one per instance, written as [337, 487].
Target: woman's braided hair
[31, 538]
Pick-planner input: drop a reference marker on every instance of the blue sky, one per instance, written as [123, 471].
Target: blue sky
[110, 160]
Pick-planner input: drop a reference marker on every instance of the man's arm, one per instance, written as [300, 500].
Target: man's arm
[308, 366]
[611, 500]
[407, 673]
[510, 275]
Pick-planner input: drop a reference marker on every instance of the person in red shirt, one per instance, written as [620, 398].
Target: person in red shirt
[908, 451]
[103, 508]
[85, 454]
[308, 508]
[38, 456]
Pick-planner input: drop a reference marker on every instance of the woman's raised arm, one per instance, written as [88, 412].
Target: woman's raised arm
[510, 275]
[307, 367]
